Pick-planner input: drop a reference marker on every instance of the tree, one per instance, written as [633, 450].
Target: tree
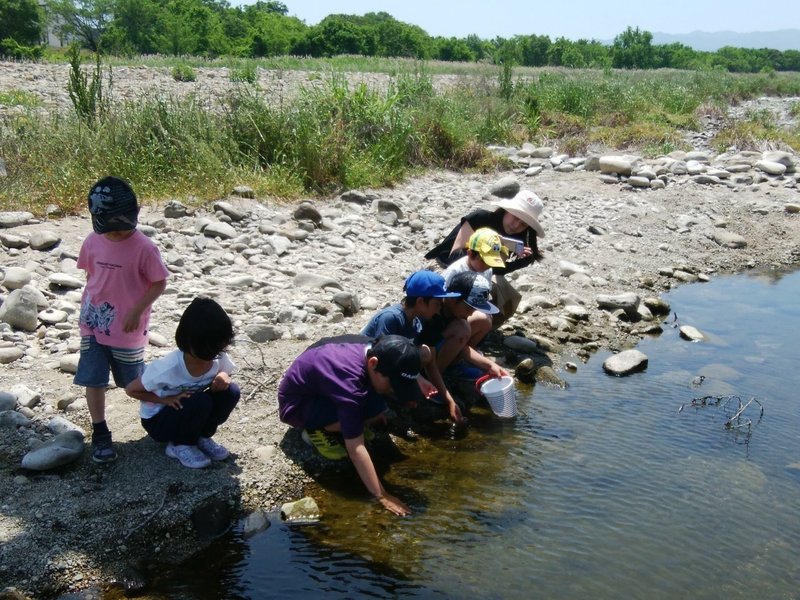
[85, 20]
[632, 49]
[20, 21]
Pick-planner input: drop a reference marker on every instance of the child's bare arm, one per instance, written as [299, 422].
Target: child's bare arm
[366, 470]
[131, 321]
[221, 382]
[136, 390]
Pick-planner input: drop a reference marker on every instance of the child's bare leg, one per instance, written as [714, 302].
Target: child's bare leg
[479, 324]
[96, 401]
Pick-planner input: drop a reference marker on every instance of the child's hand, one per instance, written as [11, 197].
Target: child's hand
[221, 382]
[131, 321]
[426, 387]
[394, 505]
[175, 401]
[497, 371]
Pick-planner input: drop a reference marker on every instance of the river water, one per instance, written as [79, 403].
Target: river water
[610, 488]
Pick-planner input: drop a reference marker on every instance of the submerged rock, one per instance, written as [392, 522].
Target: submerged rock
[304, 510]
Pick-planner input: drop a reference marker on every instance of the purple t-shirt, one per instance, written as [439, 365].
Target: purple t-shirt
[336, 369]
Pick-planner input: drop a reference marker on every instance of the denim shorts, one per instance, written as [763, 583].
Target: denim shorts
[323, 411]
[126, 364]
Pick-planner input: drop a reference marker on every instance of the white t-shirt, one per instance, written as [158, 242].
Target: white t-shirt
[460, 266]
[169, 376]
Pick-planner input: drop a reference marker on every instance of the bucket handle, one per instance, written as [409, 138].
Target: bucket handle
[481, 380]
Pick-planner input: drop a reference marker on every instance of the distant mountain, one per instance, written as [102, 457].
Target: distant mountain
[711, 41]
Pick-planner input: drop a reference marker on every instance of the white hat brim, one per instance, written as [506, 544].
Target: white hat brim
[513, 207]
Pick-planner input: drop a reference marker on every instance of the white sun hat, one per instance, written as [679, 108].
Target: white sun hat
[527, 207]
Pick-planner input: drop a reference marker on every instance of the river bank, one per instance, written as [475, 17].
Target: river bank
[291, 273]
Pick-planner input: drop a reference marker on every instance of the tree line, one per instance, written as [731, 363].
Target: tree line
[213, 28]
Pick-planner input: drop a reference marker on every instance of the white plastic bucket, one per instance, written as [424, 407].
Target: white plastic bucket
[501, 395]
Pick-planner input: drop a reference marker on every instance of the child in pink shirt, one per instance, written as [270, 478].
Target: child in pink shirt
[124, 276]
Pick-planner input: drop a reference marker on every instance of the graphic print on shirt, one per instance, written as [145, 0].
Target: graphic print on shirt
[98, 318]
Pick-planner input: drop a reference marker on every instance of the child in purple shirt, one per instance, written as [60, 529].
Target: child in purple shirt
[339, 385]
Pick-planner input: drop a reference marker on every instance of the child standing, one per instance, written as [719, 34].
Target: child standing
[187, 394]
[339, 385]
[124, 276]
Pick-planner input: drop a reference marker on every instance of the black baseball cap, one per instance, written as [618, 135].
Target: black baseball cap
[475, 291]
[113, 205]
[399, 360]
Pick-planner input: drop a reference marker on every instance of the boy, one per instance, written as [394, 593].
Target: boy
[124, 276]
[424, 295]
[449, 332]
[339, 385]
[484, 251]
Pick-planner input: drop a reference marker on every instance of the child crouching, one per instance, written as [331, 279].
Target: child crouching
[187, 394]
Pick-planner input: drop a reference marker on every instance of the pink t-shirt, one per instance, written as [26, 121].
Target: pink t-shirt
[118, 275]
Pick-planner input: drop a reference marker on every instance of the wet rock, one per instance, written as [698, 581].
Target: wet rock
[11, 418]
[690, 333]
[254, 523]
[547, 375]
[61, 450]
[625, 362]
[521, 344]
[212, 518]
[303, 510]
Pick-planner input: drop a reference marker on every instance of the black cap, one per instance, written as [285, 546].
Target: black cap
[475, 291]
[399, 360]
[113, 205]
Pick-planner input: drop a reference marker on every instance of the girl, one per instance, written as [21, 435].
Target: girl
[187, 394]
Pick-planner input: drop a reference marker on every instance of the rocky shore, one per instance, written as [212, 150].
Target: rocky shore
[620, 230]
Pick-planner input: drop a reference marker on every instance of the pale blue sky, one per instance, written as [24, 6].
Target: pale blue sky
[573, 19]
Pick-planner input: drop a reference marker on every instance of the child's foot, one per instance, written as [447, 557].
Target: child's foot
[328, 444]
[189, 456]
[212, 449]
[103, 449]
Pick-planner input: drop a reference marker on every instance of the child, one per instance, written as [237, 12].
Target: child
[484, 251]
[339, 385]
[449, 332]
[194, 382]
[124, 276]
[424, 294]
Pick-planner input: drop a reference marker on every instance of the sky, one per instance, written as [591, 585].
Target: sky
[572, 19]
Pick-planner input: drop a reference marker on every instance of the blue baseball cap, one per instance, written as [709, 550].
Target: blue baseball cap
[427, 284]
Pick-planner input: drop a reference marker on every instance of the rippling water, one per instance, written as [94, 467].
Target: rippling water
[603, 490]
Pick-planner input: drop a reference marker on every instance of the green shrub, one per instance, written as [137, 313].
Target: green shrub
[247, 73]
[90, 101]
[184, 73]
[10, 48]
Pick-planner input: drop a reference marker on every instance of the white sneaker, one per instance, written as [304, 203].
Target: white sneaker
[189, 456]
[212, 449]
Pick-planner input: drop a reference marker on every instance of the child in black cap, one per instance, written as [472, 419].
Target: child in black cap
[124, 276]
[339, 385]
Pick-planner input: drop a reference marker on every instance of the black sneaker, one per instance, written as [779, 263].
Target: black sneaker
[103, 449]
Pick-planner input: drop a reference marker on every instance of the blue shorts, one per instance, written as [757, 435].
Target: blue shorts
[323, 411]
[126, 364]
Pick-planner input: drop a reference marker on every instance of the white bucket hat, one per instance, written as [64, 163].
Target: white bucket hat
[527, 207]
